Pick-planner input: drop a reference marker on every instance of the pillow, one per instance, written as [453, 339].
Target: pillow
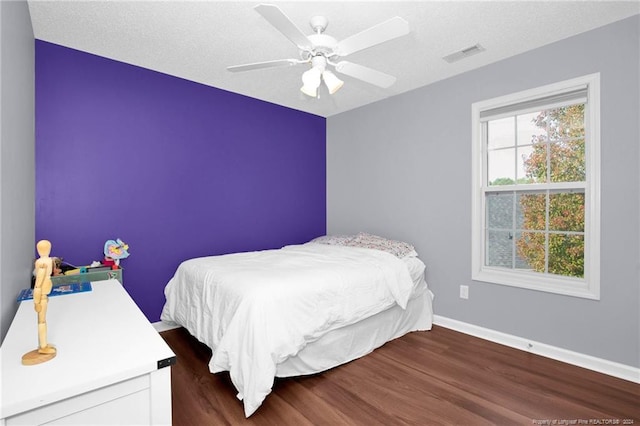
[334, 240]
[397, 248]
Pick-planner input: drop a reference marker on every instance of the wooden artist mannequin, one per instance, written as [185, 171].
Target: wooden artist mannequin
[41, 290]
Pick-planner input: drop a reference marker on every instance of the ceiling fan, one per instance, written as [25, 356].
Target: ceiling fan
[321, 51]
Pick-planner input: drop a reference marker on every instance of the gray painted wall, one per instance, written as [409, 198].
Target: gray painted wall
[17, 159]
[402, 168]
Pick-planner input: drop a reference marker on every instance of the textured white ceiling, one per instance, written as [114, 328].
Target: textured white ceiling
[197, 40]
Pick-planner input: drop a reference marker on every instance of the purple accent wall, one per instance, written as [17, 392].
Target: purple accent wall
[174, 168]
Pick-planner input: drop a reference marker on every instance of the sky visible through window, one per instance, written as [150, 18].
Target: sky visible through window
[508, 152]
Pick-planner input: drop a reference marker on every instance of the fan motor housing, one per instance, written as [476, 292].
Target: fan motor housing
[323, 44]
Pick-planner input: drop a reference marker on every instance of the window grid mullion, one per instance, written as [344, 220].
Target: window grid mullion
[547, 202]
[515, 149]
[546, 232]
[513, 208]
[514, 226]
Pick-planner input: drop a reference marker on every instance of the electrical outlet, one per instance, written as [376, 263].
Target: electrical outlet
[464, 291]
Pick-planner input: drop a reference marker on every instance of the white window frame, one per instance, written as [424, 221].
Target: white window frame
[588, 286]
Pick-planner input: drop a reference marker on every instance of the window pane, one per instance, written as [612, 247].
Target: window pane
[528, 130]
[500, 211]
[567, 161]
[499, 248]
[566, 255]
[530, 248]
[531, 211]
[535, 164]
[501, 167]
[523, 158]
[566, 211]
[522, 262]
[565, 122]
[501, 133]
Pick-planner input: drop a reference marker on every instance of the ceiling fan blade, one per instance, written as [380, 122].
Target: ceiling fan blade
[385, 31]
[266, 64]
[278, 19]
[371, 76]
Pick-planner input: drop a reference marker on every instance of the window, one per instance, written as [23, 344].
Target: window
[536, 173]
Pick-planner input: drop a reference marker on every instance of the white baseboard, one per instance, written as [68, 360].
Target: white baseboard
[161, 326]
[600, 365]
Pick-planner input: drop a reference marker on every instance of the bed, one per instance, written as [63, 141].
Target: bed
[298, 310]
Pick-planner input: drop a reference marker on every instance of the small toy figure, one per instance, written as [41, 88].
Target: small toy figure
[57, 266]
[41, 290]
[114, 251]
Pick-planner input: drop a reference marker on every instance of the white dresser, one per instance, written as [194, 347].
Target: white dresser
[112, 367]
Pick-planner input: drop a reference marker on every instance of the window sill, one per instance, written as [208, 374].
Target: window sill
[568, 286]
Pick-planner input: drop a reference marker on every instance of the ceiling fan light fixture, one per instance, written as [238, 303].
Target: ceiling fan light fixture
[333, 83]
[311, 82]
[309, 91]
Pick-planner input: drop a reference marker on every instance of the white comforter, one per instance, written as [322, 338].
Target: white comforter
[256, 309]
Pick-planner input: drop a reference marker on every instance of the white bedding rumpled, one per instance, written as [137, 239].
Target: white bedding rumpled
[256, 309]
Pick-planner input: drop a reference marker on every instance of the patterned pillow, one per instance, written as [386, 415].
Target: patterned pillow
[397, 248]
[334, 240]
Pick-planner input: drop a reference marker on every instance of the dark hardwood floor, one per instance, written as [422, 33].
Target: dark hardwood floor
[424, 378]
